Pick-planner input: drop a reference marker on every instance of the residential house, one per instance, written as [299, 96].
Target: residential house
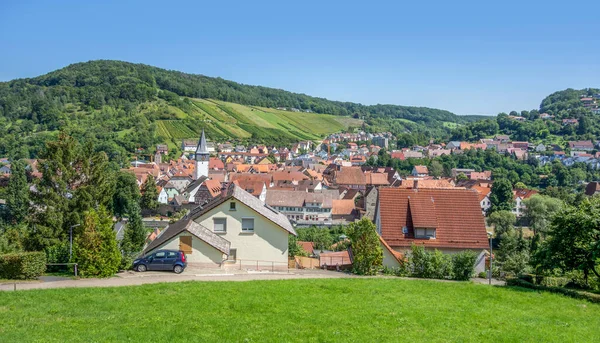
[483, 193]
[192, 189]
[381, 142]
[232, 230]
[344, 210]
[570, 121]
[502, 138]
[180, 181]
[163, 197]
[189, 145]
[453, 145]
[484, 175]
[350, 177]
[301, 206]
[518, 196]
[209, 190]
[420, 171]
[215, 163]
[256, 188]
[464, 171]
[449, 220]
[581, 145]
[171, 190]
[162, 149]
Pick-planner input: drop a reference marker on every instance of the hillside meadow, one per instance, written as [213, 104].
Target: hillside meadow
[320, 310]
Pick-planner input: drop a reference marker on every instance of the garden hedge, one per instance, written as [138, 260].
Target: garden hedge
[25, 265]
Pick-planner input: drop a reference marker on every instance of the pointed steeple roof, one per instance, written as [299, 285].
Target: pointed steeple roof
[202, 148]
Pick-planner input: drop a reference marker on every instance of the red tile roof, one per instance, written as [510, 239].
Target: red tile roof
[421, 170]
[342, 207]
[455, 213]
[523, 193]
[215, 163]
[307, 246]
[350, 176]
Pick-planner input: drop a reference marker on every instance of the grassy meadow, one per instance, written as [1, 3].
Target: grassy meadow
[320, 310]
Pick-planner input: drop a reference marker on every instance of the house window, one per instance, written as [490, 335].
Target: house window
[247, 224]
[232, 206]
[232, 255]
[424, 233]
[220, 225]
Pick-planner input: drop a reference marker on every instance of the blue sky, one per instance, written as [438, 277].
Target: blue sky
[475, 57]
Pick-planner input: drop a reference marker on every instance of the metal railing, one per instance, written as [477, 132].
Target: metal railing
[258, 265]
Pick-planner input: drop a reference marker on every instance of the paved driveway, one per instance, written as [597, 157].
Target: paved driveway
[130, 278]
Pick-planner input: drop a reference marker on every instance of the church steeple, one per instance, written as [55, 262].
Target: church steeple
[202, 157]
[202, 148]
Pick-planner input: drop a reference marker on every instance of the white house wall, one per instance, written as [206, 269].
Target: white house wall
[268, 242]
[202, 253]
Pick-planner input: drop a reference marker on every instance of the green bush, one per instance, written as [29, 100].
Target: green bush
[25, 265]
[483, 275]
[441, 265]
[463, 264]
[430, 265]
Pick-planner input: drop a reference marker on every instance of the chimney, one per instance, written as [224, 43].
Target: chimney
[416, 184]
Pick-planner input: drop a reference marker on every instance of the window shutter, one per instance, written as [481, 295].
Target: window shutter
[185, 244]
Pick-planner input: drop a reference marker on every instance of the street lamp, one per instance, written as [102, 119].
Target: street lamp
[490, 235]
[71, 240]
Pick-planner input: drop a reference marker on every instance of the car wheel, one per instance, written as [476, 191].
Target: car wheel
[178, 269]
[141, 268]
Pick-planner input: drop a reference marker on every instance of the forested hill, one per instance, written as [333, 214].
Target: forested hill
[98, 82]
[123, 107]
[567, 101]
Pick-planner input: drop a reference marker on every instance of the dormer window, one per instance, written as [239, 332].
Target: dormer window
[232, 206]
[425, 233]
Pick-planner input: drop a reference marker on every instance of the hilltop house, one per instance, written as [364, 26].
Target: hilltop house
[233, 227]
[448, 219]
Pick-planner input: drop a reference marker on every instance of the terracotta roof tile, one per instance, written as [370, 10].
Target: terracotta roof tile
[459, 221]
[343, 207]
[350, 176]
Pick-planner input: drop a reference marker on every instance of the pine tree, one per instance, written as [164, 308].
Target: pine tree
[17, 199]
[149, 199]
[135, 234]
[96, 251]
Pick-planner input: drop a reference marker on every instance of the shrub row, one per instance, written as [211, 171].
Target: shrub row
[436, 265]
[25, 265]
[595, 298]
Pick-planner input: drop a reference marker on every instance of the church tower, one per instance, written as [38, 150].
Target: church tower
[202, 157]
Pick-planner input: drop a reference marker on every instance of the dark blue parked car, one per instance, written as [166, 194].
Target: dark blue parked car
[161, 260]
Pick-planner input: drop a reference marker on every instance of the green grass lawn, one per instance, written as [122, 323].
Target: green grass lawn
[320, 310]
